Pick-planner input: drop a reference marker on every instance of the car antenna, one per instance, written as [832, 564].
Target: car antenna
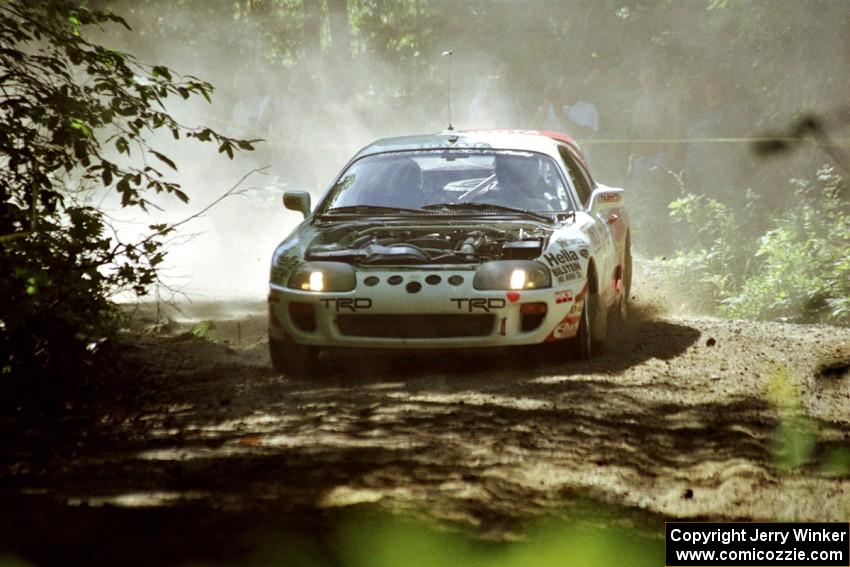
[449, 86]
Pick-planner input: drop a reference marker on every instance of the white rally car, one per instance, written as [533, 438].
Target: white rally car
[452, 240]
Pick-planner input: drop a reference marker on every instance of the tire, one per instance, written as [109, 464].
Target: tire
[593, 325]
[293, 360]
[622, 312]
[584, 338]
[598, 315]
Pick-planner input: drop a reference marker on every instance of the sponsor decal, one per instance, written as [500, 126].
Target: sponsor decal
[513, 296]
[610, 198]
[565, 329]
[575, 308]
[567, 272]
[458, 144]
[562, 257]
[347, 303]
[564, 265]
[562, 331]
[584, 253]
[570, 243]
[563, 296]
[479, 303]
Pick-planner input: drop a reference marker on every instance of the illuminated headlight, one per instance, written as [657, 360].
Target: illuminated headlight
[518, 279]
[316, 281]
[323, 276]
[512, 274]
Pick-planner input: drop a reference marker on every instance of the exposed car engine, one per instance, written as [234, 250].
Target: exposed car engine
[427, 245]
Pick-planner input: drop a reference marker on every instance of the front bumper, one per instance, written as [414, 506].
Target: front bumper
[419, 313]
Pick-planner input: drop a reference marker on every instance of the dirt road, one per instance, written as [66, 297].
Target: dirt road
[680, 418]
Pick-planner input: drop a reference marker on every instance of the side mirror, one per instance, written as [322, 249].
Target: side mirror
[606, 199]
[297, 201]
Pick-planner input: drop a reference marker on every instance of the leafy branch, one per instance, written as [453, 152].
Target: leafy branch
[76, 113]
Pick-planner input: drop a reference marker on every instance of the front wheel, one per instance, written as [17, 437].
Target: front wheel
[626, 285]
[584, 338]
[292, 359]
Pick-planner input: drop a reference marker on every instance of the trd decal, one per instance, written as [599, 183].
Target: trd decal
[610, 198]
[347, 303]
[563, 296]
[484, 304]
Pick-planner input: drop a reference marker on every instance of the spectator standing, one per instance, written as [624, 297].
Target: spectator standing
[562, 112]
[653, 121]
[493, 105]
[712, 167]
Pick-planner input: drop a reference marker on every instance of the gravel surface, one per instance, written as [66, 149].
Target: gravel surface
[682, 417]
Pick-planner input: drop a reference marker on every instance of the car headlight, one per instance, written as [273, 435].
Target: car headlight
[323, 276]
[512, 274]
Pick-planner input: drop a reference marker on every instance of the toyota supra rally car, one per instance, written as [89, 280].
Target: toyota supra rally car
[452, 240]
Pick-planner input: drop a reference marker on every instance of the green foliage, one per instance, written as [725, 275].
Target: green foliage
[705, 268]
[804, 264]
[402, 31]
[385, 541]
[65, 102]
[372, 538]
[204, 330]
[794, 441]
[796, 268]
[837, 463]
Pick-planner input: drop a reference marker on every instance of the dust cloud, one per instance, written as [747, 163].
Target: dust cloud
[617, 76]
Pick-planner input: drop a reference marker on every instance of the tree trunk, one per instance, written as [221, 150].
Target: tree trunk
[340, 32]
[312, 29]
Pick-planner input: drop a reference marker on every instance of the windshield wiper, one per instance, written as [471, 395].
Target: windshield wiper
[488, 207]
[356, 209]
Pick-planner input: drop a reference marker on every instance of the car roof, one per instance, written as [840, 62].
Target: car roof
[529, 140]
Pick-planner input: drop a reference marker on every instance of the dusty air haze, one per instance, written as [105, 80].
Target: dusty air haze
[692, 74]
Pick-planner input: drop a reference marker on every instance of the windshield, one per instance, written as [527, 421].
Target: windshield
[465, 180]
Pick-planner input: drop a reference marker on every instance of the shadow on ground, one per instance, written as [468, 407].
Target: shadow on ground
[203, 453]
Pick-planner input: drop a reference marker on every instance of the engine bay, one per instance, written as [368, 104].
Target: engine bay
[427, 245]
